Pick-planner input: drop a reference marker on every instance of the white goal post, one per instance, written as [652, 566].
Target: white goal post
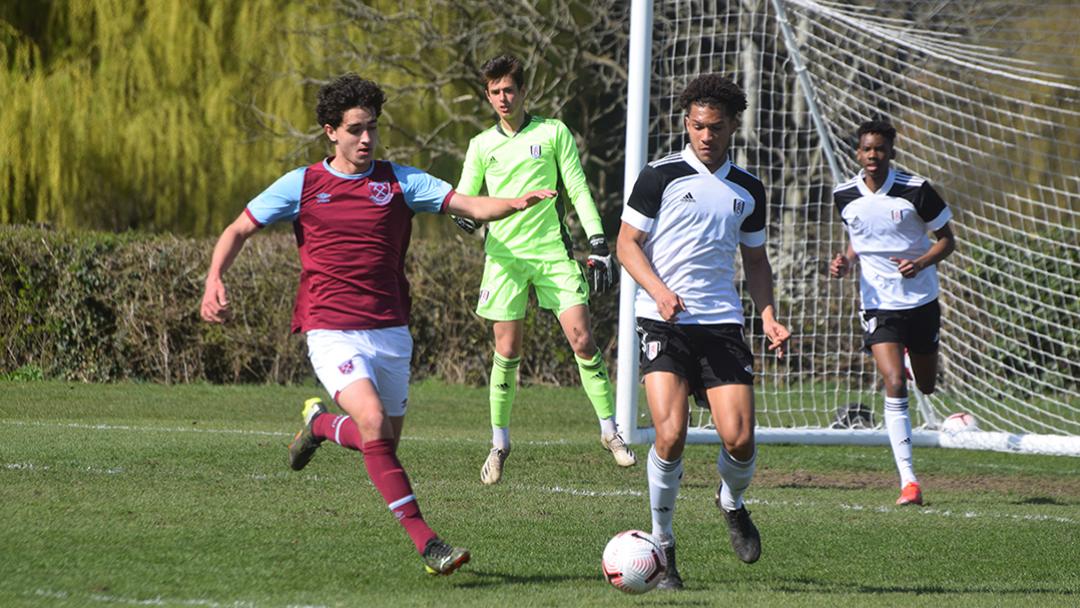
[986, 99]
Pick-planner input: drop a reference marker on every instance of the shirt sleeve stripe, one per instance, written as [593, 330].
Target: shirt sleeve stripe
[752, 239]
[637, 219]
[941, 219]
[446, 201]
[252, 217]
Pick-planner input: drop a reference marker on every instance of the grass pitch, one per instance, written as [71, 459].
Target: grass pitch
[146, 495]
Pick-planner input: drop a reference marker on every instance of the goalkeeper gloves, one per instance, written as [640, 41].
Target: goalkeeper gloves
[467, 224]
[599, 265]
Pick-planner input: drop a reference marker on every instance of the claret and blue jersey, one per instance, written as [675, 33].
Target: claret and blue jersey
[352, 232]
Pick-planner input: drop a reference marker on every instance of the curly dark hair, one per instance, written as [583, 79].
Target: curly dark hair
[716, 91]
[879, 127]
[344, 93]
[504, 65]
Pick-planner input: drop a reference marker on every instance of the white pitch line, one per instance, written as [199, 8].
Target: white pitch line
[150, 429]
[930, 511]
[140, 429]
[154, 601]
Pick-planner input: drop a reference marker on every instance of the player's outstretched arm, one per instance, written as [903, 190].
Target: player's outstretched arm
[759, 281]
[215, 301]
[487, 208]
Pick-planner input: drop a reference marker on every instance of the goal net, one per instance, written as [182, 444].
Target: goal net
[985, 96]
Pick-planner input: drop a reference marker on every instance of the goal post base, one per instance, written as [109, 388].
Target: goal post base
[1029, 443]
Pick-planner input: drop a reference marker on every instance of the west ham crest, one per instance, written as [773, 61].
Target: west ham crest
[381, 193]
[534, 150]
[738, 206]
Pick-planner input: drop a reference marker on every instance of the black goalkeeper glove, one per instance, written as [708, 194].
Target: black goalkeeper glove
[467, 224]
[600, 266]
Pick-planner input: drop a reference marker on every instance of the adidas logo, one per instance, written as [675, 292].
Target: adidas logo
[688, 198]
[493, 160]
[502, 387]
[906, 441]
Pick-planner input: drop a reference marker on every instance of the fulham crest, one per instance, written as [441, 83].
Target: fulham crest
[738, 206]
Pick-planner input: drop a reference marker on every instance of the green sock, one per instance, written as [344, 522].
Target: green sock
[597, 385]
[502, 389]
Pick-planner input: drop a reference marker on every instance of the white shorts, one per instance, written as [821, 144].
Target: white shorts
[341, 357]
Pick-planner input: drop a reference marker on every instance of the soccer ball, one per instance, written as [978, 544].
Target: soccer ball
[633, 561]
[959, 422]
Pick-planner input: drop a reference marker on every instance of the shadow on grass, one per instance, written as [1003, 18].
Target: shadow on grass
[1044, 500]
[803, 585]
[488, 578]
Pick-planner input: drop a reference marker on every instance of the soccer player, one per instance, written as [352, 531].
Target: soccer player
[524, 152]
[681, 226]
[887, 214]
[352, 218]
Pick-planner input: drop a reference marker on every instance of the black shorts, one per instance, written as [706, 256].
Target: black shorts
[915, 328]
[705, 355]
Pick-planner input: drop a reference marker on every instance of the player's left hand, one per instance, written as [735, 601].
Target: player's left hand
[600, 265]
[777, 335]
[908, 268]
[467, 224]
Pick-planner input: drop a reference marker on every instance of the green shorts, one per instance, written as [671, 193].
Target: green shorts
[504, 290]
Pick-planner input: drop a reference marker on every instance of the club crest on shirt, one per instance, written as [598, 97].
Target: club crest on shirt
[898, 215]
[322, 197]
[738, 206]
[346, 368]
[485, 295]
[652, 349]
[381, 193]
[534, 150]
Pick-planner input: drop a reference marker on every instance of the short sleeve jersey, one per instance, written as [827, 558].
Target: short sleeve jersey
[352, 232]
[695, 219]
[892, 223]
[538, 156]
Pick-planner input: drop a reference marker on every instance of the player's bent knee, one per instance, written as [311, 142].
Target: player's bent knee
[742, 448]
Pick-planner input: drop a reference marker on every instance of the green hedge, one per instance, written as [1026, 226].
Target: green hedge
[102, 307]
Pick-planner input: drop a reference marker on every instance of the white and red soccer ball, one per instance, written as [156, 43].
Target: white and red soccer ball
[959, 422]
[633, 561]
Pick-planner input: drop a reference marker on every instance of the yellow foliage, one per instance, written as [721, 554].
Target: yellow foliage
[141, 116]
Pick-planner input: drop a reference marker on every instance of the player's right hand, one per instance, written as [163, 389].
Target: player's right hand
[839, 266]
[215, 303]
[467, 224]
[669, 305]
[532, 198]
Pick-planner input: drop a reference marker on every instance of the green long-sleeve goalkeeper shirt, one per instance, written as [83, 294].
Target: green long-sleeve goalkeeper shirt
[534, 158]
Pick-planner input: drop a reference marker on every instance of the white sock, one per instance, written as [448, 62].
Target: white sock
[664, 477]
[898, 423]
[607, 426]
[500, 437]
[736, 476]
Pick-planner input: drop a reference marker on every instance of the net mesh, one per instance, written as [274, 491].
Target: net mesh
[984, 95]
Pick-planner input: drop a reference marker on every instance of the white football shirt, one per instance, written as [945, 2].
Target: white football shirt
[892, 223]
[695, 220]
